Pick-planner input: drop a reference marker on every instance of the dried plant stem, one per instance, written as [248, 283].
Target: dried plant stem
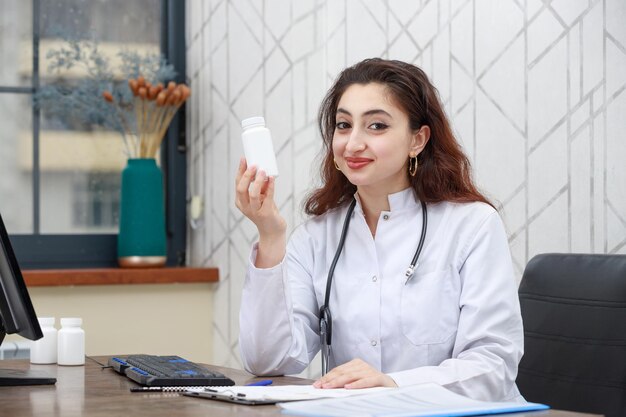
[152, 114]
[169, 115]
[158, 116]
[142, 129]
[137, 107]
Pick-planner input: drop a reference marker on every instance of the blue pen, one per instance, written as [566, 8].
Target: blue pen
[260, 383]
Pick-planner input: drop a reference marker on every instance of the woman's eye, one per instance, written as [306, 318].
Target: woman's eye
[342, 125]
[378, 126]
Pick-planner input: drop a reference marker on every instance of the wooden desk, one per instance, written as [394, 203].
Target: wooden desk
[91, 391]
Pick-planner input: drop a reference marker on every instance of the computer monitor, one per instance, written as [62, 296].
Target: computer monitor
[17, 314]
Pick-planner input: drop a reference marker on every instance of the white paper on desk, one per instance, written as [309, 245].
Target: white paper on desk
[425, 400]
[289, 392]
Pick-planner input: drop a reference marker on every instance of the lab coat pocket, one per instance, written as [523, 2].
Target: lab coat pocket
[429, 308]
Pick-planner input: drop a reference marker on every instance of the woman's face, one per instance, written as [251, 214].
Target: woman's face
[373, 140]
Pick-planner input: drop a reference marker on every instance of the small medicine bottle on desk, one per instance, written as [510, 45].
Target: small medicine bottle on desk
[44, 350]
[71, 347]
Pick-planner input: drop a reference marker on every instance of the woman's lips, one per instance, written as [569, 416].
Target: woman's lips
[357, 163]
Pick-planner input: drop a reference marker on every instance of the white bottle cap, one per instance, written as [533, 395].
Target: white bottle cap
[253, 121]
[71, 321]
[46, 321]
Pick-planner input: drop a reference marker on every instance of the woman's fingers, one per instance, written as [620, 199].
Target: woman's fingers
[255, 198]
[341, 375]
[271, 186]
[256, 191]
[366, 382]
[252, 187]
[240, 170]
[339, 381]
[354, 374]
[243, 186]
[379, 380]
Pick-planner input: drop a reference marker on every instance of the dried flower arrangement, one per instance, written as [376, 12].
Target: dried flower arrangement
[139, 103]
[154, 106]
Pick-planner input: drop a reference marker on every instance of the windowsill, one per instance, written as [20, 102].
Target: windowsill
[118, 276]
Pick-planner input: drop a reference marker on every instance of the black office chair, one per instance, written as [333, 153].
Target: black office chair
[574, 312]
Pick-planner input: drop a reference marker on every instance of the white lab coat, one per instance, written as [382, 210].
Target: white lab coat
[456, 323]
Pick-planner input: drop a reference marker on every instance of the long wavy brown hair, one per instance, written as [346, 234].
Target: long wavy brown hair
[444, 172]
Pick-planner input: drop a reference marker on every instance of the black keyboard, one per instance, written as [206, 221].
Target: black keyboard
[167, 371]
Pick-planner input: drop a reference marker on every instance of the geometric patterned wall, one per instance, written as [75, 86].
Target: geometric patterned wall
[536, 91]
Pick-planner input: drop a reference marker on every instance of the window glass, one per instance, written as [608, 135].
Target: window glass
[16, 162]
[96, 204]
[80, 161]
[116, 21]
[16, 43]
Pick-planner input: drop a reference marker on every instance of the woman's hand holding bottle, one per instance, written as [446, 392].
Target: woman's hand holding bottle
[255, 199]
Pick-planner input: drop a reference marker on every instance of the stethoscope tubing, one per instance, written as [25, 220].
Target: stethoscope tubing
[342, 239]
[325, 317]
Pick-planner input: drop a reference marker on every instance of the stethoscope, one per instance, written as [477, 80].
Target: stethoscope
[326, 319]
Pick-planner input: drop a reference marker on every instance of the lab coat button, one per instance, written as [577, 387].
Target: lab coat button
[385, 217]
[374, 343]
[374, 278]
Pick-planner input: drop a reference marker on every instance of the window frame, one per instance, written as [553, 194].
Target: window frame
[51, 251]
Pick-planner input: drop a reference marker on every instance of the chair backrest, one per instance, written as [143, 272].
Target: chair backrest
[574, 312]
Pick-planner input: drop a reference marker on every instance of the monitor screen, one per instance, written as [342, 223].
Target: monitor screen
[17, 314]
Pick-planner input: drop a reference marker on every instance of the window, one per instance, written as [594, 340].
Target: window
[60, 178]
[96, 203]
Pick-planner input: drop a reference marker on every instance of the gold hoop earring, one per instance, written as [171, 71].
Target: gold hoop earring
[336, 166]
[413, 165]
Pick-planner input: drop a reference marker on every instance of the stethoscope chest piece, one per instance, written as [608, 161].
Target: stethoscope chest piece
[326, 331]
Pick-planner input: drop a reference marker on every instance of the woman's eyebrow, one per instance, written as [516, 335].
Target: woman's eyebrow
[344, 111]
[367, 113]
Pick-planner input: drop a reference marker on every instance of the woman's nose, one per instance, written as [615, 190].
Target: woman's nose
[355, 141]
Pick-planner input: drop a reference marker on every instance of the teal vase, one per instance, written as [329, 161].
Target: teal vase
[141, 239]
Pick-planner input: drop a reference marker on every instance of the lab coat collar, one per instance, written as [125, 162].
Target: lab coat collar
[402, 200]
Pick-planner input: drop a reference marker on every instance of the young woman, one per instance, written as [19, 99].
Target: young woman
[396, 186]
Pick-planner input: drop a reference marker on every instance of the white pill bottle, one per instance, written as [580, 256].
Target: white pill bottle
[71, 346]
[44, 350]
[257, 145]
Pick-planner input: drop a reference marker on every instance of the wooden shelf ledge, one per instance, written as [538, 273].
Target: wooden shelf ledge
[116, 276]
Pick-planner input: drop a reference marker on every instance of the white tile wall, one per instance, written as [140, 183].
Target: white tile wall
[536, 91]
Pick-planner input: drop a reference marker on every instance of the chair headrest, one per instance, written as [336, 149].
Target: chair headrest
[591, 277]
